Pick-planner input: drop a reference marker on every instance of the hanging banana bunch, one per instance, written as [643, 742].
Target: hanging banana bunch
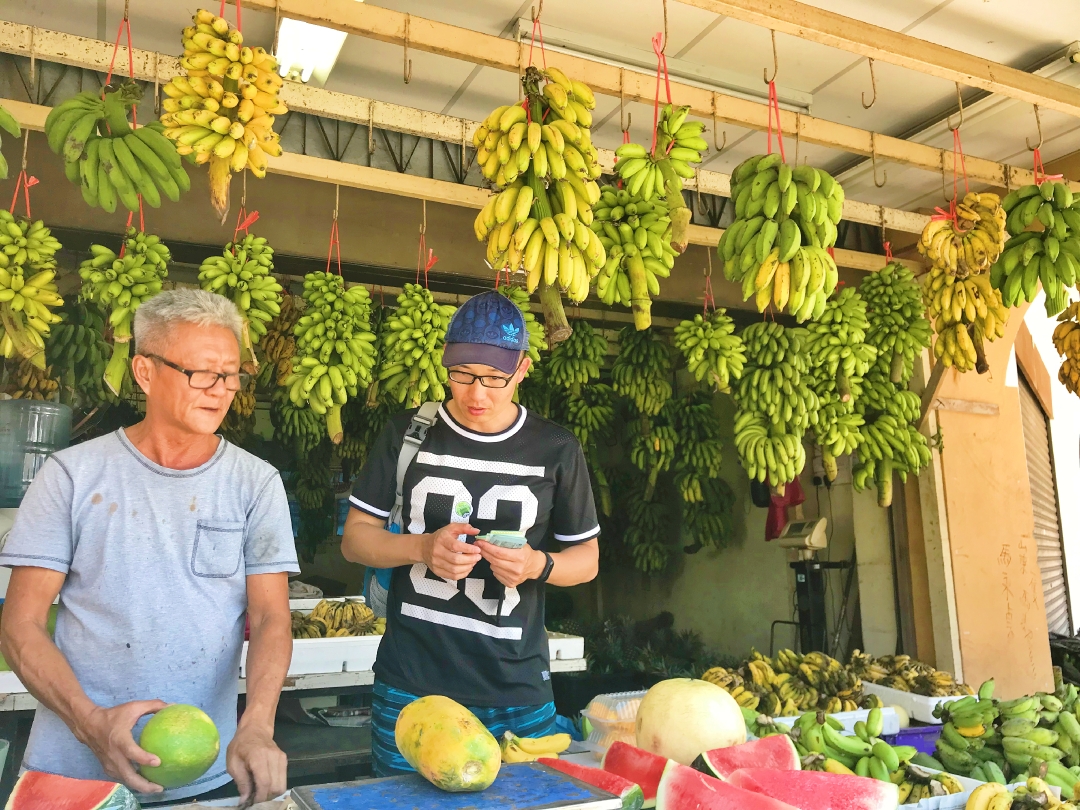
[295, 426]
[839, 358]
[577, 360]
[28, 295]
[1051, 256]
[707, 500]
[590, 414]
[648, 525]
[242, 274]
[636, 233]
[335, 350]
[27, 381]
[540, 395]
[222, 112]
[411, 370]
[891, 442]
[712, 350]
[896, 316]
[78, 354]
[775, 403]
[10, 126]
[653, 443]
[1067, 343]
[279, 344]
[965, 312]
[973, 242]
[539, 221]
[777, 246]
[119, 285]
[110, 160]
[642, 370]
[660, 173]
[537, 344]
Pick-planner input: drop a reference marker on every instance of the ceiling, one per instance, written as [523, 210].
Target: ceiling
[1029, 35]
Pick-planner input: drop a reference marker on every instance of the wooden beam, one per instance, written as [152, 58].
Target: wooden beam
[933, 385]
[882, 44]
[386, 25]
[966, 406]
[352, 175]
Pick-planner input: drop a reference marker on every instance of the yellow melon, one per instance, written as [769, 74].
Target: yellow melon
[447, 744]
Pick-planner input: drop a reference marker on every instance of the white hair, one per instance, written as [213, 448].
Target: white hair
[155, 318]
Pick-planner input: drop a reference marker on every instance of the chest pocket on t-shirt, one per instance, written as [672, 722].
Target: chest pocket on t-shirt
[217, 550]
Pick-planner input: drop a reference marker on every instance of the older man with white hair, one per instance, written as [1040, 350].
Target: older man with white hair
[158, 538]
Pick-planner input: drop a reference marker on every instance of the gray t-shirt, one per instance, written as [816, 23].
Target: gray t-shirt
[154, 602]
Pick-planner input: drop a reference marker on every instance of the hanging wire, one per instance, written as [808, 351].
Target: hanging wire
[873, 84]
[798, 134]
[407, 62]
[873, 158]
[775, 61]
[1038, 123]
[664, 48]
[960, 104]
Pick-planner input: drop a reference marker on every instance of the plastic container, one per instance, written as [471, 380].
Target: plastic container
[613, 717]
[918, 707]
[30, 432]
[921, 738]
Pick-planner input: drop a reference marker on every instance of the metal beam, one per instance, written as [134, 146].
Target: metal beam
[837, 31]
[92, 54]
[386, 25]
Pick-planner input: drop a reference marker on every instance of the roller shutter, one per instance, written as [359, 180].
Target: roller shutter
[1044, 505]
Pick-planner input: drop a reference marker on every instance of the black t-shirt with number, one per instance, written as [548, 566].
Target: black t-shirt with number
[474, 640]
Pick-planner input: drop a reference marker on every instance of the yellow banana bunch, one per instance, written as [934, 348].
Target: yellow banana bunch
[27, 381]
[971, 244]
[28, 295]
[965, 311]
[1067, 343]
[530, 749]
[411, 369]
[222, 111]
[335, 348]
[279, 344]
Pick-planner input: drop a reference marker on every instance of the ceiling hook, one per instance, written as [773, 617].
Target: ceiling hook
[719, 147]
[960, 104]
[873, 84]
[873, 158]
[775, 61]
[624, 120]
[407, 62]
[1038, 123]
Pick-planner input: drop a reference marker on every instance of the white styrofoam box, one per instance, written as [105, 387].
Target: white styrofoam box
[890, 720]
[957, 801]
[564, 647]
[315, 656]
[920, 707]
[308, 605]
[10, 683]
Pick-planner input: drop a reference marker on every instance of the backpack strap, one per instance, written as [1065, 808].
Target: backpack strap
[415, 434]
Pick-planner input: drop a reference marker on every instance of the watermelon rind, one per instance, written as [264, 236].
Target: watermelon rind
[36, 790]
[777, 752]
[628, 791]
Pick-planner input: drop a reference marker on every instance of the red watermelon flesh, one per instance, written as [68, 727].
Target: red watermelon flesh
[45, 791]
[641, 767]
[629, 792]
[776, 752]
[812, 790]
[683, 788]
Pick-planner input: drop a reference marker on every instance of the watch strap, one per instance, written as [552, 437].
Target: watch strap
[550, 564]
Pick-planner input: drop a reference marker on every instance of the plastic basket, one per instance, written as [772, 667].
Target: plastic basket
[921, 738]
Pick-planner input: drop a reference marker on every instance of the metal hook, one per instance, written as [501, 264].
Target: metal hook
[775, 62]
[873, 158]
[719, 147]
[798, 135]
[960, 104]
[873, 84]
[407, 65]
[1038, 123]
[624, 122]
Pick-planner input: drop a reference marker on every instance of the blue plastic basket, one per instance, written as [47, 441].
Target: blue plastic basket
[922, 738]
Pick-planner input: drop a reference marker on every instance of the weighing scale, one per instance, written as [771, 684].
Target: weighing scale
[523, 786]
[808, 537]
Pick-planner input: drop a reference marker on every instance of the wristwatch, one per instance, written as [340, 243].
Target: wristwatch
[547, 567]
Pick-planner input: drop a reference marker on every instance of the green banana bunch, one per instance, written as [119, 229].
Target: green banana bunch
[642, 370]
[26, 244]
[891, 442]
[637, 237]
[699, 446]
[242, 274]
[648, 523]
[898, 327]
[965, 311]
[295, 426]
[411, 369]
[590, 413]
[540, 221]
[537, 343]
[11, 126]
[785, 220]
[652, 449]
[115, 162]
[577, 360]
[1051, 257]
[78, 354]
[540, 395]
[119, 285]
[712, 349]
[335, 350]
[775, 403]
[363, 424]
[709, 522]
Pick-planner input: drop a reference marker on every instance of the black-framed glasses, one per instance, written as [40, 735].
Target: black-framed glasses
[205, 380]
[486, 380]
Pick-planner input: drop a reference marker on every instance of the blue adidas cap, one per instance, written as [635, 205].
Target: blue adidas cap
[489, 330]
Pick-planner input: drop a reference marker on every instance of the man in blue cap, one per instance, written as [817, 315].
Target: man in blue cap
[465, 617]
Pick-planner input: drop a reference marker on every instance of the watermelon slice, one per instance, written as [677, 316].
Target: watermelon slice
[683, 788]
[629, 792]
[45, 791]
[812, 790]
[776, 751]
[641, 767]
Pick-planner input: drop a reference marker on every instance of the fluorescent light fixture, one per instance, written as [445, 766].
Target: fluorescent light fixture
[640, 60]
[307, 52]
